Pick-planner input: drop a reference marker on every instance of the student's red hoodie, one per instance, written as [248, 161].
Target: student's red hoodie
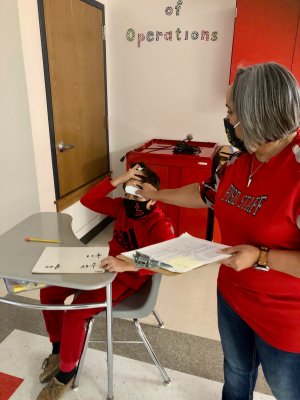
[129, 234]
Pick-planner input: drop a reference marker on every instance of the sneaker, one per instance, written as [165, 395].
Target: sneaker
[51, 367]
[54, 390]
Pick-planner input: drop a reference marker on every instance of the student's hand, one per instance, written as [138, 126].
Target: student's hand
[242, 256]
[132, 173]
[112, 264]
[149, 192]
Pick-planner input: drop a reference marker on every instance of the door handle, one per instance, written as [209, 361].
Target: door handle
[62, 147]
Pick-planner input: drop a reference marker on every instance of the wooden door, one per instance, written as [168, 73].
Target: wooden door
[74, 61]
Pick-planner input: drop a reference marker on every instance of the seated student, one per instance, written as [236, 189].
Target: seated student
[138, 223]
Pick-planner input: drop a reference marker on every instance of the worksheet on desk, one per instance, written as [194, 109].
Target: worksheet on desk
[70, 260]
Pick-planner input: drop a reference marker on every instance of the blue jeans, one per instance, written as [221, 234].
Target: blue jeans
[244, 351]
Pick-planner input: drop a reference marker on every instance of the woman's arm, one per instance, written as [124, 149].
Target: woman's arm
[185, 196]
[245, 256]
[286, 261]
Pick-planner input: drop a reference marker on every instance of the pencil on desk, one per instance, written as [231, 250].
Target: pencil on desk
[32, 239]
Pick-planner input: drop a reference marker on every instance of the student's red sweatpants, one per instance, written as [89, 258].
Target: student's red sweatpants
[68, 327]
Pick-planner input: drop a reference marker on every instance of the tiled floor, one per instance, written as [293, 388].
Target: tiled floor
[131, 377]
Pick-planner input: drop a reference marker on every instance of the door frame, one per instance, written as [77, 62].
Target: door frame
[40, 4]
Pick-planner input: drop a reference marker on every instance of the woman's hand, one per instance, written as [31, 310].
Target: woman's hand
[148, 191]
[184, 196]
[242, 256]
[112, 264]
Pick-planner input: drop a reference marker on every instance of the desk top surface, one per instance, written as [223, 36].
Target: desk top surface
[18, 256]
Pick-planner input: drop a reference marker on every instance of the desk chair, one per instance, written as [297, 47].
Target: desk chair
[138, 305]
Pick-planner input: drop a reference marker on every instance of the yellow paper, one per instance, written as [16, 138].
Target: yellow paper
[183, 264]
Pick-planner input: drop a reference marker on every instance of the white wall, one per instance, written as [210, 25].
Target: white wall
[18, 181]
[33, 62]
[167, 89]
[164, 89]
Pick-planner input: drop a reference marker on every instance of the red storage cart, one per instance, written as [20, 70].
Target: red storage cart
[177, 170]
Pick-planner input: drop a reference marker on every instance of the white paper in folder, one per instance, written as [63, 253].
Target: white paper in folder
[181, 254]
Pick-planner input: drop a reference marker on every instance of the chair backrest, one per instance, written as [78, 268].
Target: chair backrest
[142, 302]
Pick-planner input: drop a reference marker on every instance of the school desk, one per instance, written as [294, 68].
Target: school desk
[19, 256]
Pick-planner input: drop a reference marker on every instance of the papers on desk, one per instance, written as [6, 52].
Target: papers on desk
[178, 255]
[70, 260]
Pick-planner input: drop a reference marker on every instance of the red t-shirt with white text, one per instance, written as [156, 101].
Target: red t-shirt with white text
[265, 213]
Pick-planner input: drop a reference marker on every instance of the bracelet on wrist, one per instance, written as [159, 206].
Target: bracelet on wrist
[262, 262]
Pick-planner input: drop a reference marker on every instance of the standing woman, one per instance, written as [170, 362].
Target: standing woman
[256, 199]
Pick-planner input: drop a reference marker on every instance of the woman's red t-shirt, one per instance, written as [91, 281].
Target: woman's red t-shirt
[267, 213]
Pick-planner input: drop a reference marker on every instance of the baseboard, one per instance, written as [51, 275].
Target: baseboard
[96, 230]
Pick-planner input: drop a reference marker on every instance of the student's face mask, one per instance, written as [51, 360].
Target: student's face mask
[136, 209]
[231, 135]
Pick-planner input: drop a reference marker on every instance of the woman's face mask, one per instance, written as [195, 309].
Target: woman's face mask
[231, 135]
[136, 209]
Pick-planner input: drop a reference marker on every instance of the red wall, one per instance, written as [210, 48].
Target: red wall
[266, 30]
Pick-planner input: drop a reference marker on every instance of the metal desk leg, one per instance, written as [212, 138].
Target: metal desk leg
[110, 395]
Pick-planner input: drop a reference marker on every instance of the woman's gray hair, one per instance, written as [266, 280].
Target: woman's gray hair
[266, 99]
